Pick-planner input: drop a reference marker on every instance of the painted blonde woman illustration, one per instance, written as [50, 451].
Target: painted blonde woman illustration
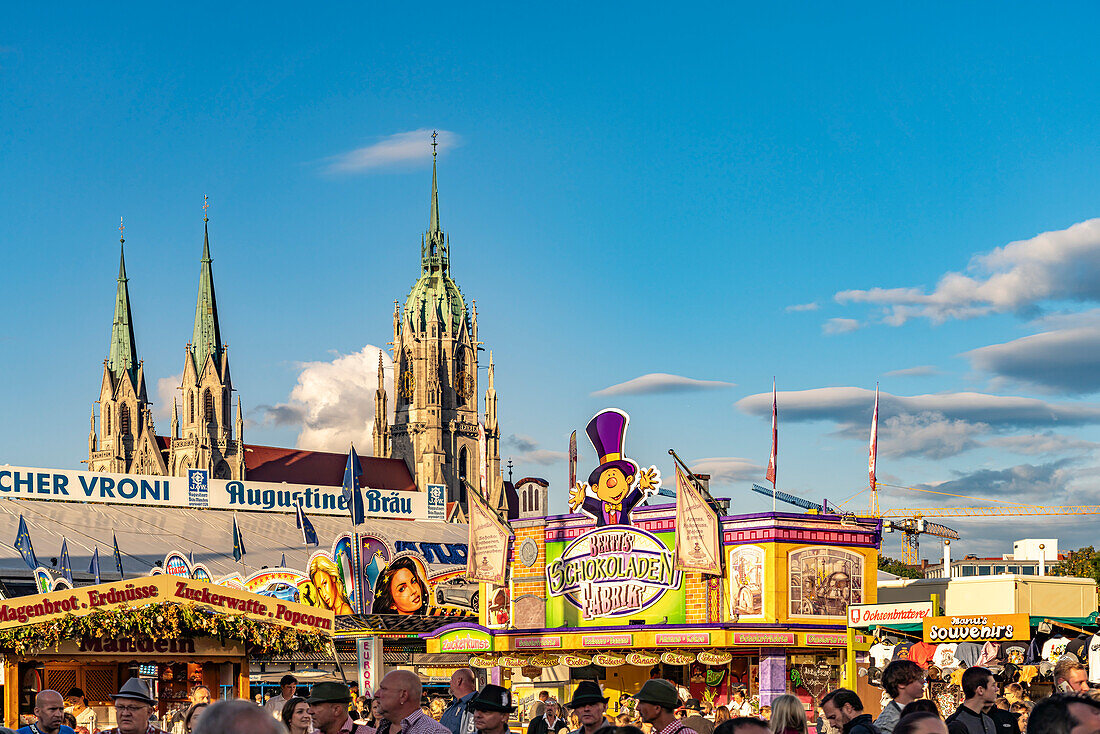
[325, 575]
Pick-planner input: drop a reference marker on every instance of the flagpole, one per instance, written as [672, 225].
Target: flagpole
[695, 481]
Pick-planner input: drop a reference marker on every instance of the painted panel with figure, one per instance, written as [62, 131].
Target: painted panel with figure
[427, 581]
[824, 581]
[746, 579]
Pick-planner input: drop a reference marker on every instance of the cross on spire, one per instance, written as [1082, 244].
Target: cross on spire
[205, 206]
[434, 143]
[121, 230]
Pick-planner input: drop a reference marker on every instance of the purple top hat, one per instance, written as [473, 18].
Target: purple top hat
[607, 431]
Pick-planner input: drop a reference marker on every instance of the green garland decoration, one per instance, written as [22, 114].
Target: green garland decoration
[162, 621]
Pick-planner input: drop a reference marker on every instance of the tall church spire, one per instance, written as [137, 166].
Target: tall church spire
[123, 355]
[434, 224]
[206, 339]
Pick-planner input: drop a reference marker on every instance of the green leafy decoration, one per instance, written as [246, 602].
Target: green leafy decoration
[162, 621]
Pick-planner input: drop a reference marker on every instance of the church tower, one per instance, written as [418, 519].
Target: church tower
[435, 355]
[203, 435]
[125, 441]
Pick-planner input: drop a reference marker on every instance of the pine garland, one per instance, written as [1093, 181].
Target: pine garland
[162, 621]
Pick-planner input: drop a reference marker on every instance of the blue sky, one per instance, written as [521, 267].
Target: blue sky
[629, 190]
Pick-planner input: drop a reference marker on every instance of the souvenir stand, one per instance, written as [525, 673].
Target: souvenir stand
[174, 632]
[1017, 626]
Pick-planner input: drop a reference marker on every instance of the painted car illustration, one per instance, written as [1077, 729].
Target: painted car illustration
[457, 592]
[282, 591]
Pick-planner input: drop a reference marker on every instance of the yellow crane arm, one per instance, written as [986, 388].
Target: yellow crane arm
[993, 511]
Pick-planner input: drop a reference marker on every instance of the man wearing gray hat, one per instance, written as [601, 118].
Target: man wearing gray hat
[133, 707]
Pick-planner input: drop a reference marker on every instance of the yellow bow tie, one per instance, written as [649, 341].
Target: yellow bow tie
[616, 506]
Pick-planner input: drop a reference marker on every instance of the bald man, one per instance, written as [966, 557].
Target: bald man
[237, 716]
[456, 718]
[398, 696]
[49, 708]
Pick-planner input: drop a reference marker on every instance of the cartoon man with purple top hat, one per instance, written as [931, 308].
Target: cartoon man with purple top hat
[617, 485]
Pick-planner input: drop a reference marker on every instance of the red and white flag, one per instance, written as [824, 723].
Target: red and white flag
[572, 460]
[770, 476]
[872, 457]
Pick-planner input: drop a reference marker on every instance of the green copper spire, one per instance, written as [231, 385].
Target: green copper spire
[435, 292]
[434, 224]
[123, 355]
[206, 339]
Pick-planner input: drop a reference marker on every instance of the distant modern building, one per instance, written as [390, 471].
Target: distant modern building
[1023, 560]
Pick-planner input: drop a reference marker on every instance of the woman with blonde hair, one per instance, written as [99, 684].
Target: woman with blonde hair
[788, 715]
[722, 713]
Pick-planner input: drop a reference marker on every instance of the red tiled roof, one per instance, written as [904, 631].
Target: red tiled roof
[298, 466]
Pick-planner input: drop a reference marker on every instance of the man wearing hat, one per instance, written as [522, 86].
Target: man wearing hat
[490, 708]
[328, 705]
[694, 719]
[133, 707]
[589, 704]
[657, 702]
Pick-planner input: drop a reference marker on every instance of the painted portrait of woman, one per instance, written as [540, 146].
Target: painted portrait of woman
[325, 575]
[401, 588]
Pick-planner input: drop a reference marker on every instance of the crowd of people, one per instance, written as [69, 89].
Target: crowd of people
[659, 707]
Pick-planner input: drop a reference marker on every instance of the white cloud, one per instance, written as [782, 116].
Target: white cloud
[854, 404]
[521, 441]
[924, 370]
[812, 306]
[395, 149]
[167, 391]
[727, 469]
[934, 426]
[1042, 443]
[1063, 360]
[660, 382]
[1016, 278]
[927, 434]
[544, 457]
[840, 326]
[333, 402]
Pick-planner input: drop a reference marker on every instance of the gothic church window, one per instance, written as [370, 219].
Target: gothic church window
[208, 406]
[107, 416]
[124, 419]
[221, 471]
[191, 405]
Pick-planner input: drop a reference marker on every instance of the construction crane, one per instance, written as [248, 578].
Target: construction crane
[1007, 509]
[994, 511]
[913, 527]
[790, 499]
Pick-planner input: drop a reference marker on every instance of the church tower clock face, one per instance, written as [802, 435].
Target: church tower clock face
[464, 385]
[406, 384]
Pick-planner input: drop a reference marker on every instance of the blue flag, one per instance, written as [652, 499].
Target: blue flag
[23, 544]
[66, 567]
[191, 559]
[94, 568]
[282, 561]
[352, 494]
[118, 557]
[238, 541]
[309, 535]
